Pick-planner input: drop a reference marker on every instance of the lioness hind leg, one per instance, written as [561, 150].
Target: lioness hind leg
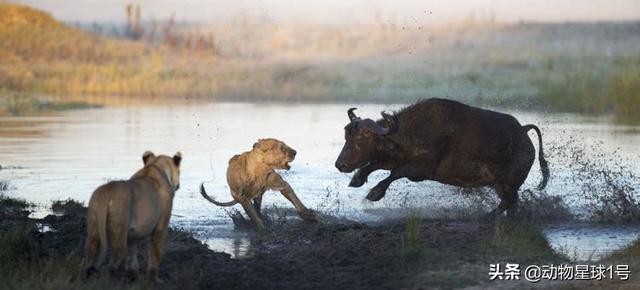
[156, 246]
[119, 247]
[92, 248]
[95, 244]
[257, 204]
[251, 211]
[118, 234]
[133, 268]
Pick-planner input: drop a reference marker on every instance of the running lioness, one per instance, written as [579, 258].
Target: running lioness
[123, 212]
[252, 173]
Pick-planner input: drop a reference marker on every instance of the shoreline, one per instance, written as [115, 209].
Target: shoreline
[406, 253]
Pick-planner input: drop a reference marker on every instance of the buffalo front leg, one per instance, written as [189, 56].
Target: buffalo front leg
[277, 183]
[361, 175]
[378, 192]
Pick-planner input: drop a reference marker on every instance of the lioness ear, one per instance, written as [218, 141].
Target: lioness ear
[177, 158]
[257, 143]
[146, 155]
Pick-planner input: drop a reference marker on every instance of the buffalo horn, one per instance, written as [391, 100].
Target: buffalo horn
[351, 114]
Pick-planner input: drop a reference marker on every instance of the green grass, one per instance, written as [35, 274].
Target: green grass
[11, 202]
[520, 241]
[595, 86]
[444, 258]
[19, 104]
[68, 207]
[18, 245]
[631, 253]
[25, 265]
[411, 250]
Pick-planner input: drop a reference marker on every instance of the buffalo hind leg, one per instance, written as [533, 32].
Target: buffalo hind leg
[508, 199]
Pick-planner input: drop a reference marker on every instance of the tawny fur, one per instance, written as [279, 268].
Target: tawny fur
[252, 173]
[123, 212]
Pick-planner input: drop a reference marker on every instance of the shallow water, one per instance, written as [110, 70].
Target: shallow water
[590, 242]
[67, 155]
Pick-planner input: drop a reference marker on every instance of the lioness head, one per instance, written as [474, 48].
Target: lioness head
[274, 153]
[170, 166]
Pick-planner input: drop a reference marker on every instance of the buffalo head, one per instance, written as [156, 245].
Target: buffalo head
[362, 138]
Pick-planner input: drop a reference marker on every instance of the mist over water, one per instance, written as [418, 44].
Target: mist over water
[67, 155]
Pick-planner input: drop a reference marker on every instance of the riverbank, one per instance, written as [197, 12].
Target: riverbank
[411, 253]
[588, 68]
[21, 104]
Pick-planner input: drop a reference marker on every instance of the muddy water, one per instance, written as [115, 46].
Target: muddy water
[67, 155]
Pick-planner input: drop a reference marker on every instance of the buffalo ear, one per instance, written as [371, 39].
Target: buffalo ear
[146, 155]
[373, 127]
[177, 158]
[391, 121]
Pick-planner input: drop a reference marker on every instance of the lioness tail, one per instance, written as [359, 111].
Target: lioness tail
[207, 197]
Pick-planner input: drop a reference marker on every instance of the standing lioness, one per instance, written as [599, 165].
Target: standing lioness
[123, 212]
[252, 173]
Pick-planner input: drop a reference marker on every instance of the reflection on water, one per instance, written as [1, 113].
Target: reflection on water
[588, 242]
[68, 155]
[220, 236]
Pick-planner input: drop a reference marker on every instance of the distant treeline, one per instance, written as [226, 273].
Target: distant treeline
[577, 67]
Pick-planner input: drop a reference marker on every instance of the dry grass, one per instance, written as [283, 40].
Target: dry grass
[581, 67]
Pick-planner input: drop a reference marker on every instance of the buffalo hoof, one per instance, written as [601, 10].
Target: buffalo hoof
[376, 193]
[357, 181]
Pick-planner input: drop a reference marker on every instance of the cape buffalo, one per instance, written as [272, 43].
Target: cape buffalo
[445, 141]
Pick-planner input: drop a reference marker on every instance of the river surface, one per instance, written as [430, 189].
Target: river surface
[68, 154]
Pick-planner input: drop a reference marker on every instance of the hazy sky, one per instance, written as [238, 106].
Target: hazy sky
[337, 11]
